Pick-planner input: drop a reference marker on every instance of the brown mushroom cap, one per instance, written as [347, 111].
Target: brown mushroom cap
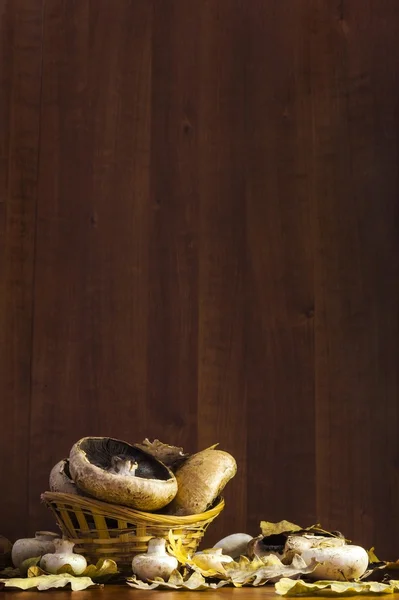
[201, 479]
[150, 486]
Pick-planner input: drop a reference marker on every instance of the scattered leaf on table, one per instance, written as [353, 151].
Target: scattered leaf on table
[29, 562]
[36, 572]
[196, 563]
[382, 571]
[47, 582]
[176, 582]
[372, 557]
[288, 587]
[266, 569]
[199, 564]
[101, 572]
[10, 572]
[142, 585]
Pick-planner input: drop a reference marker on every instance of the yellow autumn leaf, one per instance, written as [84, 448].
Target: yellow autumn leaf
[171, 456]
[175, 582]
[196, 563]
[276, 528]
[176, 549]
[288, 587]
[36, 572]
[101, 572]
[47, 582]
[29, 562]
[287, 527]
[372, 556]
[265, 569]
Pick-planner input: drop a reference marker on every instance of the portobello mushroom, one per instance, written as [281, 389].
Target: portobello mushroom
[200, 479]
[116, 472]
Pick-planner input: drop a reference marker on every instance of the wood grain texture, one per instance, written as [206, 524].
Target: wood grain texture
[221, 359]
[279, 277]
[20, 81]
[89, 369]
[356, 268]
[173, 225]
[213, 186]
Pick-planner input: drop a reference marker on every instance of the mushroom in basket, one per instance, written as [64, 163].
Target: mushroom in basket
[116, 472]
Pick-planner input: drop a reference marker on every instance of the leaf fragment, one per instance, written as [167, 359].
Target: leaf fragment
[381, 571]
[171, 456]
[266, 569]
[104, 570]
[195, 582]
[9, 572]
[372, 556]
[29, 562]
[101, 572]
[36, 572]
[47, 582]
[288, 587]
[268, 528]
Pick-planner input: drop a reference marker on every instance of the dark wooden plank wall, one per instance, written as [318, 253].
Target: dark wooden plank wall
[199, 242]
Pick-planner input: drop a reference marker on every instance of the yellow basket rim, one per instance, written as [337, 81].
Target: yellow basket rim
[130, 514]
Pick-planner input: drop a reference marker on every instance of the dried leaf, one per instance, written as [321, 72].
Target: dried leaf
[382, 571]
[277, 528]
[288, 587]
[176, 582]
[196, 563]
[9, 572]
[267, 569]
[29, 562]
[47, 582]
[372, 557]
[287, 528]
[103, 571]
[176, 549]
[66, 570]
[170, 456]
[36, 572]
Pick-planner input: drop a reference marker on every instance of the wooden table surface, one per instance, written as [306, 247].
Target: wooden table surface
[114, 592]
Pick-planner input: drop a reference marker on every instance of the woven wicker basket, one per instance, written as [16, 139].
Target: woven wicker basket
[99, 529]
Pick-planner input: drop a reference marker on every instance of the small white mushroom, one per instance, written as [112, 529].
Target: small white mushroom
[61, 480]
[234, 545]
[342, 564]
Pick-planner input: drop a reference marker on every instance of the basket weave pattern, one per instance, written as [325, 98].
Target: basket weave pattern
[99, 529]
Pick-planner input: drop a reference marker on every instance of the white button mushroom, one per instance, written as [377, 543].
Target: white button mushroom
[341, 563]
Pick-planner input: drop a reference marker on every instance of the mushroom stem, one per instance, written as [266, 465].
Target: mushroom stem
[123, 466]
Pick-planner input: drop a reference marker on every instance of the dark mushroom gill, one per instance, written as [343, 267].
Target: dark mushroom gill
[66, 469]
[100, 451]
